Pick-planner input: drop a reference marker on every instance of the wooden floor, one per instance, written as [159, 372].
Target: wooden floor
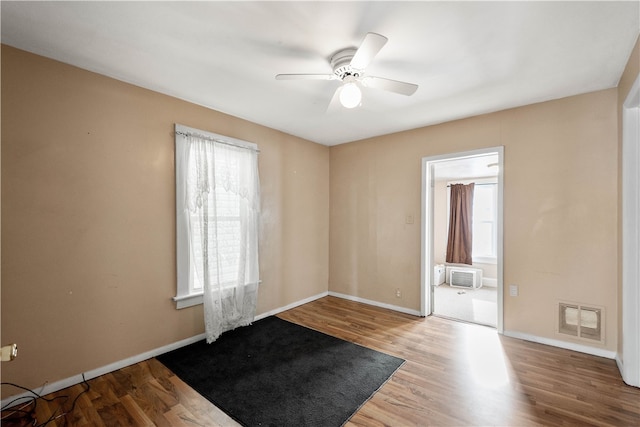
[455, 374]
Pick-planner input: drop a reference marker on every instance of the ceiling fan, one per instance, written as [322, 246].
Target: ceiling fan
[349, 67]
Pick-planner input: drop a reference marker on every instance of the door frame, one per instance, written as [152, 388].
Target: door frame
[629, 363]
[426, 254]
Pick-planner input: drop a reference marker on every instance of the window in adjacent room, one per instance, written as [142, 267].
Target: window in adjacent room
[485, 223]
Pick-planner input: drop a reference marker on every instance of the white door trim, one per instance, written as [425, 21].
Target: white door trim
[630, 361]
[426, 258]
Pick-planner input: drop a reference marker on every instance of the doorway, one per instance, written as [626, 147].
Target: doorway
[471, 293]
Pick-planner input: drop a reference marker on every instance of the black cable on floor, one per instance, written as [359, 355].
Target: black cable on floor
[31, 414]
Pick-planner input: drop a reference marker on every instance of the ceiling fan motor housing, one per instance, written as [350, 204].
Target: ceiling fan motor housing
[341, 63]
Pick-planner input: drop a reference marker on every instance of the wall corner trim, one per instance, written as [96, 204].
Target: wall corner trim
[581, 348]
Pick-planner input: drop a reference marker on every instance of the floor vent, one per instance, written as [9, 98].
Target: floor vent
[581, 321]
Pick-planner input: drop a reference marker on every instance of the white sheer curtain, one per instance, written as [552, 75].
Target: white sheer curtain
[223, 199]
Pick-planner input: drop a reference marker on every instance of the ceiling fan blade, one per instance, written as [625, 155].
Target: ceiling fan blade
[370, 46]
[396, 86]
[306, 77]
[335, 105]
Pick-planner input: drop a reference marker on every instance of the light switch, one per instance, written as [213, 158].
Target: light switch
[408, 219]
[513, 290]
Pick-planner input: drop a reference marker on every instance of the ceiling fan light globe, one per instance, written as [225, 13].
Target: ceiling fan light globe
[350, 96]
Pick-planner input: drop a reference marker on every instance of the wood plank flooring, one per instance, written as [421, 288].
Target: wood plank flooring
[455, 374]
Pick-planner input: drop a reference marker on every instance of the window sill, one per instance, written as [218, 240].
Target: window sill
[184, 301]
[485, 260]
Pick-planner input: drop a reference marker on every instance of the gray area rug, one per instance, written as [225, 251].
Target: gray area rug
[276, 373]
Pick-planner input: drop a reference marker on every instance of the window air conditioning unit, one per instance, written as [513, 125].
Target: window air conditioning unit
[462, 277]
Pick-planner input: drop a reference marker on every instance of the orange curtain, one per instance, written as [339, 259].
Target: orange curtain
[460, 224]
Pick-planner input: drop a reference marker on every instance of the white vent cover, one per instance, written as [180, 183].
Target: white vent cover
[581, 321]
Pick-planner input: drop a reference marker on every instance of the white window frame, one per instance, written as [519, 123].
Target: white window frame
[185, 296]
[490, 259]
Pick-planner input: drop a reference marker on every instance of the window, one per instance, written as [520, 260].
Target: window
[224, 226]
[221, 230]
[485, 220]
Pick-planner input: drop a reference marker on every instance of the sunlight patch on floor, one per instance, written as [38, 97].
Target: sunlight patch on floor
[486, 358]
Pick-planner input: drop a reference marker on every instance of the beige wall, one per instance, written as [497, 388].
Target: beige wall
[88, 214]
[560, 208]
[629, 76]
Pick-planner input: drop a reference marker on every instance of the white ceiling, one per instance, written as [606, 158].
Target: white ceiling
[468, 58]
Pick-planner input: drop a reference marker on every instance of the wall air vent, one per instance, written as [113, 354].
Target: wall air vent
[581, 321]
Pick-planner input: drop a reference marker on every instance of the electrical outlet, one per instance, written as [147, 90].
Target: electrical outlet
[398, 293]
[8, 352]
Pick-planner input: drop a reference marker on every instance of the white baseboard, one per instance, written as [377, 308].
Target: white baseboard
[626, 380]
[619, 363]
[77, 379]
[594, 351]
[375, 303]
[489, 283]
[290, 306]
